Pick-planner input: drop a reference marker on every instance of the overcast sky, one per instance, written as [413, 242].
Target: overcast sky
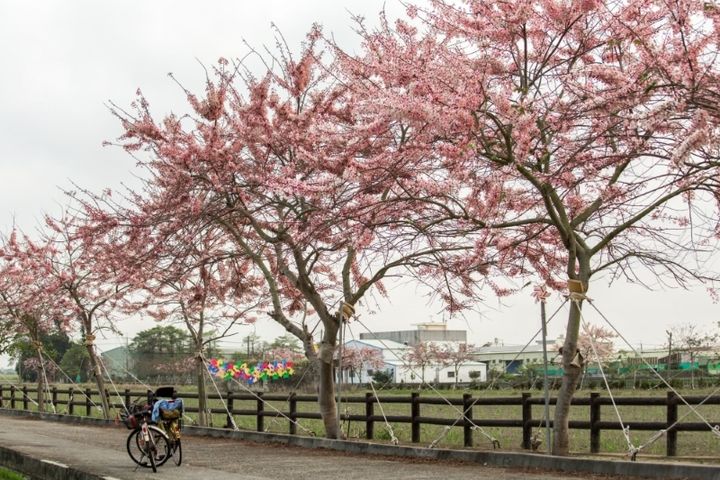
[64, 60]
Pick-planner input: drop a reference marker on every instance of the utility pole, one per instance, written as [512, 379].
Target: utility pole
[341, 320]
[669, 333]
[546, 392]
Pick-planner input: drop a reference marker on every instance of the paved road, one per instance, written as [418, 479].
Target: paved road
[101, 450]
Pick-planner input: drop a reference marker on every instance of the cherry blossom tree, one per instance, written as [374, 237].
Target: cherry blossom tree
[691, 339]
[195, 283]
[302, 185]
[26, 305]
[282, 353]
[595, 343]
[582, 136]
[181, 367]
[422, 355]
[76, 262]
[354, 360]
[455, 355]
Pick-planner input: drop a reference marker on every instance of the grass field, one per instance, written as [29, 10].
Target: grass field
[6, 474]
[690, 444]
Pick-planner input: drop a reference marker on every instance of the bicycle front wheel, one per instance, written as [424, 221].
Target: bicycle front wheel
[148, 454]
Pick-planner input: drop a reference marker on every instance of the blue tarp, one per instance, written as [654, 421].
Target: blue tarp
[176, 404]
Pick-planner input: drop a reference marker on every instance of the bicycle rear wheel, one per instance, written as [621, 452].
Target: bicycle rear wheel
[177, 452]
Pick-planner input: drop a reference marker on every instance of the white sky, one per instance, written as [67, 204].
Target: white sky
[63, 61]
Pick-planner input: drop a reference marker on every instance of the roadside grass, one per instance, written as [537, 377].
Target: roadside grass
[6, 474]
[690, 444]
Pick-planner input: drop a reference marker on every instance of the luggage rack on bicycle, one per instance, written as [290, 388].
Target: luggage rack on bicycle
[155, 425]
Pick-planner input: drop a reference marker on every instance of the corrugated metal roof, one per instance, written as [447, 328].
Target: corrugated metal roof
[533, 348]
[400, 363]
[381, 344]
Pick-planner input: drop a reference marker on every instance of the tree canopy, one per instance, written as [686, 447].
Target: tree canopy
[473, 146]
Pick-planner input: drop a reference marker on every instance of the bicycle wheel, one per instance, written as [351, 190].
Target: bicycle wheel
[177, 452]
[140, 451]
[136, 448]
[161, 445]
[151, 455]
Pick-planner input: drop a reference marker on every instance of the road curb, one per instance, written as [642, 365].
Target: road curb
[40, 469]
[668, 470]
[486, 458]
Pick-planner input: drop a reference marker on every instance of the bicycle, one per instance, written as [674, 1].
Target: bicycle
[147, 445]
[150, 444]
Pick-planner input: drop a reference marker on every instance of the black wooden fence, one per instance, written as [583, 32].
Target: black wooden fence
[77, 400]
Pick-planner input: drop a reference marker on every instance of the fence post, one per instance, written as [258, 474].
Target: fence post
[12, 396]
[88, 405]
[672, 416]
[414, 416]
[71, 401]
[260, 410]
[369, 412]
[594, 421]
[127, 399]
[230, 407]
[467, 421]
[25, 397]
[53, 397]
[526, 421]
[292, 427]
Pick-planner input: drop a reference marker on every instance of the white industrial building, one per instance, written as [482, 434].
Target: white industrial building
[393, 355]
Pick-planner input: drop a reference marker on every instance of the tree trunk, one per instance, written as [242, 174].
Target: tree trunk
[571, 376]
[202, 394]
[41, 383]
[41, 392]
[326, 387]
[326, 396]
[99, 381]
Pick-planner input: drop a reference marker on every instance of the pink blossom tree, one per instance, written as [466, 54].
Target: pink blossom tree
[595, 343]
[455, 355]
[27, 306]
[422, 355]
[302, 185]
[354, 360]
[691, 339]
[195, 283]
[76, 261]
[282, 353]
[581, 135]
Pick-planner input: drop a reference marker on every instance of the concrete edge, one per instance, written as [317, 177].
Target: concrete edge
[36, 468]
[668, 470]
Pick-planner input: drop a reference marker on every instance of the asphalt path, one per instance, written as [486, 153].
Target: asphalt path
[101, 450]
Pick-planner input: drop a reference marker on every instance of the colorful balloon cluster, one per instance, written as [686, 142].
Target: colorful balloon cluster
[242, 371]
